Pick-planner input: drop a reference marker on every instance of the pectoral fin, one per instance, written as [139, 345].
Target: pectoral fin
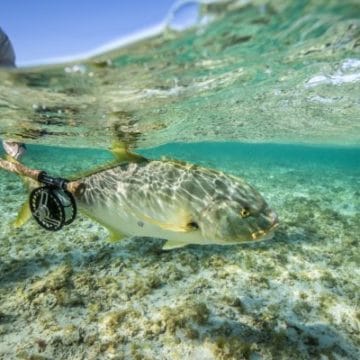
[175, 227]
[178, 222]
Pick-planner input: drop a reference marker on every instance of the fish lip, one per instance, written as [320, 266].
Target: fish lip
[274, 226]
[258, 234]
[268, 233]
[262, 235]
[274, 219]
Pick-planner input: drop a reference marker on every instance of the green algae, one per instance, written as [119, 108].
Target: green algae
[231, 348]
[55, 280]
[182, 316]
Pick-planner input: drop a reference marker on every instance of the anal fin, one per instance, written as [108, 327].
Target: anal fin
[173, 244]
[114, 235]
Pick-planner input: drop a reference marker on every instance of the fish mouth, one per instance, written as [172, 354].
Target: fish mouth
[269, 232]
[262, 235]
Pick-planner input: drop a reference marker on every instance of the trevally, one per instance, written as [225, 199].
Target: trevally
[173, 200]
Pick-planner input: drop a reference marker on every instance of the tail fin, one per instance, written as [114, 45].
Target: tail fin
[23, 216]
[25, 213]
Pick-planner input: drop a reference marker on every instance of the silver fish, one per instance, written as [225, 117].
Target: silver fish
[177, 201]
[180, 202]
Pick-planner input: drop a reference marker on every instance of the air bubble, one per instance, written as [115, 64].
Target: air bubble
[185, 15]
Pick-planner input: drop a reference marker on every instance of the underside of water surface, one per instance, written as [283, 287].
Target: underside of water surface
[265, 90]
[251, 71]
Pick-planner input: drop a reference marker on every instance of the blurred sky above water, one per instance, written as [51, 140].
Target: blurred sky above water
[43, 29]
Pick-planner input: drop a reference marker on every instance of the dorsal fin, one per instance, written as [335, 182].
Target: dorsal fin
[122, 154]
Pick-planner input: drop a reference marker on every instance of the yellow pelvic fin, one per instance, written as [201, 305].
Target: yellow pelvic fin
[172, 244]
[115, 236]
[122, 154]
[24, 213]
[23, 216]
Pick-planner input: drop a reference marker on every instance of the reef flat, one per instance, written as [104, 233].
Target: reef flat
[74, 295]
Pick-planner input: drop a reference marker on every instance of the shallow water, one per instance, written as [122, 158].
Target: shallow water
[266, 92]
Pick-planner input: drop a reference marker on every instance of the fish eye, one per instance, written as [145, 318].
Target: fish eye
[244, 212]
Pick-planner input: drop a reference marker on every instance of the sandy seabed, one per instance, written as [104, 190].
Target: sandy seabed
[74, 295]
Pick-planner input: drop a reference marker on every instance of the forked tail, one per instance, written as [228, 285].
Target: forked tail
[51, 201]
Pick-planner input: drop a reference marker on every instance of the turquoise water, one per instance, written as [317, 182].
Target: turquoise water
[295, 295]
[238, 156]
[268, 91]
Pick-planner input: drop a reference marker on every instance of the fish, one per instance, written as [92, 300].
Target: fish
[180, 202]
